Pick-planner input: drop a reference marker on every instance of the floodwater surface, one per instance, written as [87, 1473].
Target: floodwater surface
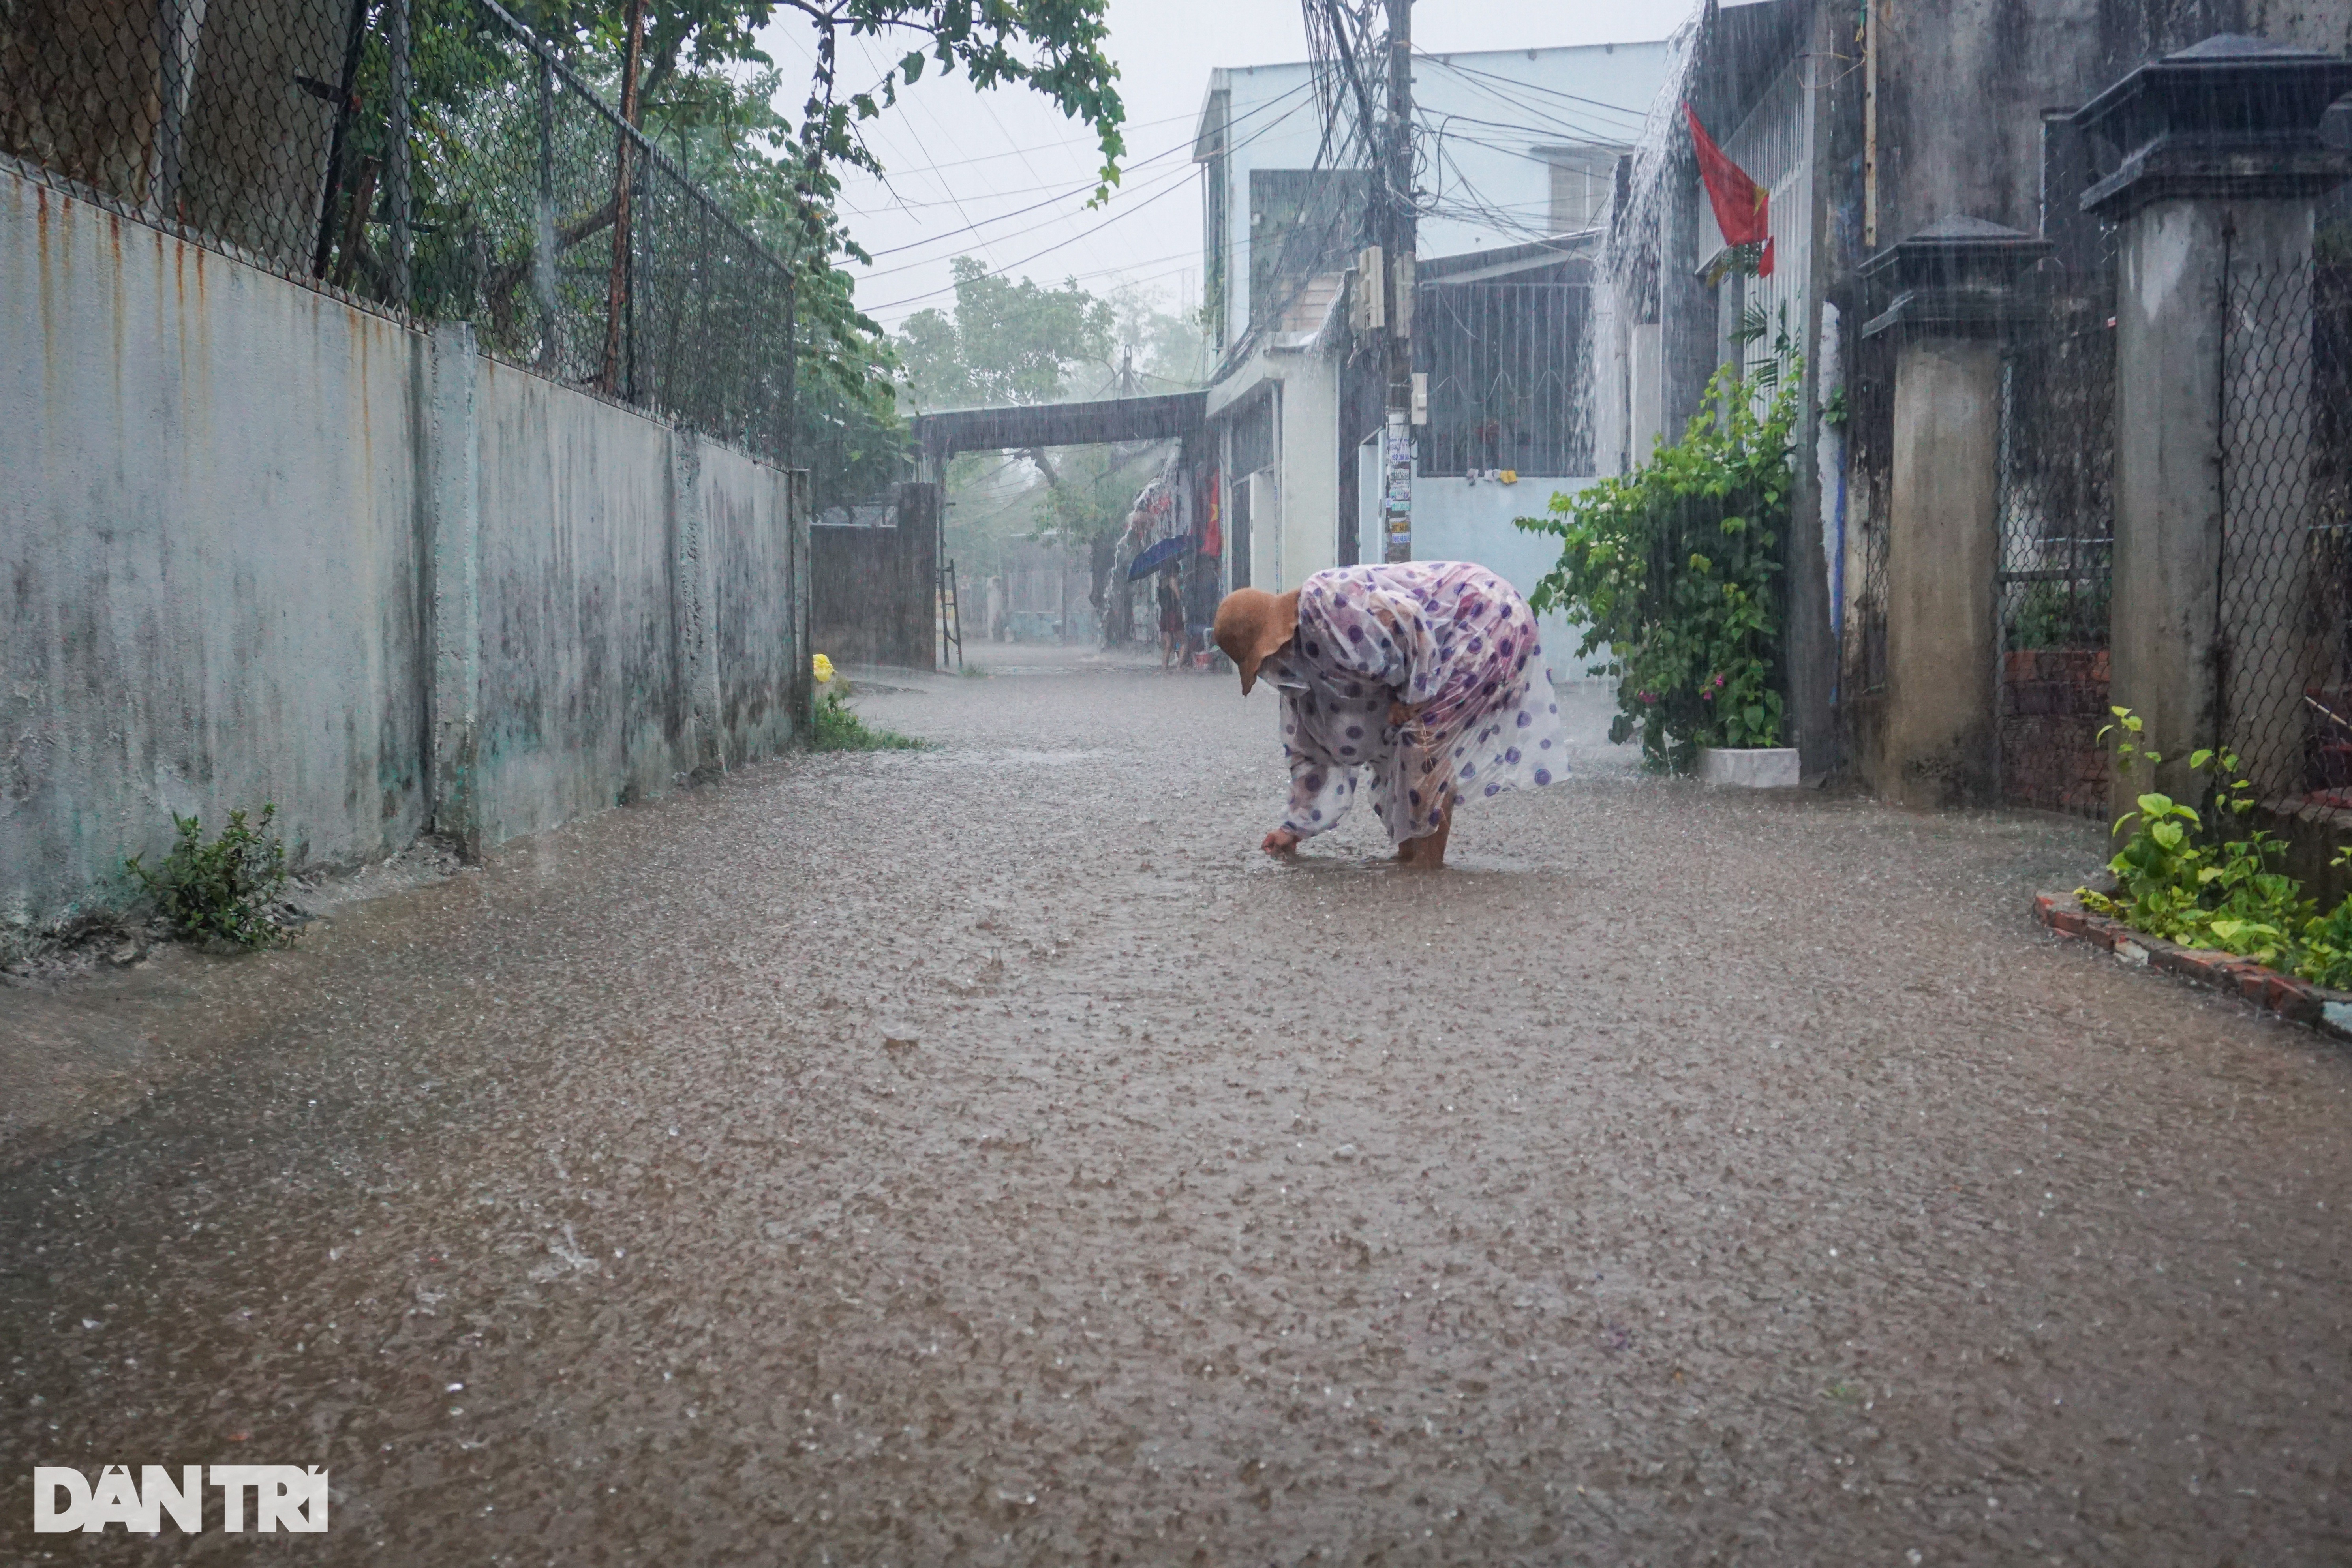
[984, 1155]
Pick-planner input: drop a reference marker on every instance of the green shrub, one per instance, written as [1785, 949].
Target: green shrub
[1675, 567]
[2050, 616]
[2326, 958]
[2180, 877]
[223, 890]
[839, 729]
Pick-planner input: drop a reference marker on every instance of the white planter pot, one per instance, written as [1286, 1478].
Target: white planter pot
[1755, 768]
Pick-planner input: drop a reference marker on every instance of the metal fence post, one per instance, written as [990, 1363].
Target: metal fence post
[542, 260]
[354, 40]
[181, 23]
[396, 192]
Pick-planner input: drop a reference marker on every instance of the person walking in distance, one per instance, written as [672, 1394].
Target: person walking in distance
[1172, 621]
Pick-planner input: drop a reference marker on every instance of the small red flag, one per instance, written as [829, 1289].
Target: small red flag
[1743, 209]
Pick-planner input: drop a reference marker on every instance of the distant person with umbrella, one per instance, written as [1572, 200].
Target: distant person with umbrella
[1430, 673]
[1171, 619]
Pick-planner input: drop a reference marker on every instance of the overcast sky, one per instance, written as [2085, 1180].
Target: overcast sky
[969, 171]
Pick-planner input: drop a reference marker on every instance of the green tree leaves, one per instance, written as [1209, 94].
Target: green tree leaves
[1007, 341]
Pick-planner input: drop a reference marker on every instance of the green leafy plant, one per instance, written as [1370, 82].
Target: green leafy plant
[838, 728]
[223, 890]
[1674, 569]
[2053, 615]
[2181, 880]
[2325, 957]
[1835, 412]
[1755, 325]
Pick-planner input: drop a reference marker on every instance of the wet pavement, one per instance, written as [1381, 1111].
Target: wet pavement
[983, 1156]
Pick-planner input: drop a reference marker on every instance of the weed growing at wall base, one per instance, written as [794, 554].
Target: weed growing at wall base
[223, 891]
[2180, 876]
[839, 729]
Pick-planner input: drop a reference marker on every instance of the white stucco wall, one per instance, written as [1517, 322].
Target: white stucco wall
[1311, 475]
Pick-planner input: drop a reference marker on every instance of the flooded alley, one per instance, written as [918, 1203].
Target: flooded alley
[983, 1154]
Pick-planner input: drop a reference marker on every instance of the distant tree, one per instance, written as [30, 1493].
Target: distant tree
[1169, 351]
[1004, 341]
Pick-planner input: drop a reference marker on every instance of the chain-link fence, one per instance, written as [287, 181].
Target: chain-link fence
[430, 157]
[578, 248]
[2282, 591]
[2057, 534]
[226, 122]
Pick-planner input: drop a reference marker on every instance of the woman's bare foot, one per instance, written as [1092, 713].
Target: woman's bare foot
[1281, 842]
[1428, 851]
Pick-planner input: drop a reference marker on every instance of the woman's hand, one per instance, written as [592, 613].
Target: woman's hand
[1281, 842]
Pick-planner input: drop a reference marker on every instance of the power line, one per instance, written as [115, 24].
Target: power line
[1585, 134]
[1138, 206]
[971, 227]
[1640, 116]
[1039, 147]
[1191, 258]
[1475, 204]
[1000, 217]
[1596, 135]
[999, 272]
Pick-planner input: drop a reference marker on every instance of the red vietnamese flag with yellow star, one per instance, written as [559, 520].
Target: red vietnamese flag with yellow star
[1743, 209]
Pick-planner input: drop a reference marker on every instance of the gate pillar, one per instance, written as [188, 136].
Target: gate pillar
[1953, 293]
[2221, 161]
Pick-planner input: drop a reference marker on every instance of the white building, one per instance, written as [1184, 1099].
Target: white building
[1519, 152]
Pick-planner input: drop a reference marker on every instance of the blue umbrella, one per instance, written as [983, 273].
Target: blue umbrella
[1159, 555]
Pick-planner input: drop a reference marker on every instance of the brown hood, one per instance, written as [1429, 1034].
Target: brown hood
[1252, 623]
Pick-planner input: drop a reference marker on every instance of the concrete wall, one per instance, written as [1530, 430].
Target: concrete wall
[580, 705]
[265, 547]
[1305, 455]
[210, 532]
[1963, 86]
[1294, 498]
[759, 579]
[1943, 544]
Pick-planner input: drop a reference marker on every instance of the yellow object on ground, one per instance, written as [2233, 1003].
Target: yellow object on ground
[824, 667]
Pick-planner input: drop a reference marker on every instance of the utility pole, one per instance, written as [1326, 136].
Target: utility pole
[1399, 240]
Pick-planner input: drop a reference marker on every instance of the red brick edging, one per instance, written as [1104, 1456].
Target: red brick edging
[2297, 1001]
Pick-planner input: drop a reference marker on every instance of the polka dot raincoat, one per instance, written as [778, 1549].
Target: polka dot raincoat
[1450, 640]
